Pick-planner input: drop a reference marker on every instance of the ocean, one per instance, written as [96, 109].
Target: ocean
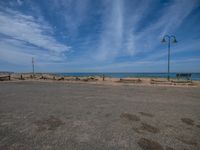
[195, 76]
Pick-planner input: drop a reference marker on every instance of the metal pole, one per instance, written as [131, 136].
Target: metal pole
[169, 46]
[33, 65]
[169, 58]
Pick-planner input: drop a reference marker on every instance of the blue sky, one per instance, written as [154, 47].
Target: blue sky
[99, 35]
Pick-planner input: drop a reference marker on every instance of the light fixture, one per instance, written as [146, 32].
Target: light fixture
[163, 40]
[175, 41]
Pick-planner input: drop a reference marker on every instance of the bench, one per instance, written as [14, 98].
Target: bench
[3, 78]
[184, 75]
[165, 82]
[130, 80]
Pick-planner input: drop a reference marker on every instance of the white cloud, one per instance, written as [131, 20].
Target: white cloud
[20, 2]
[24, 33]
[119, 33]
[148, 40]
[26, 28]
[73, 13]
[112, 34]
[130, 45]
[12, 52]
[19, 52]
[119, 36]
[169, 21]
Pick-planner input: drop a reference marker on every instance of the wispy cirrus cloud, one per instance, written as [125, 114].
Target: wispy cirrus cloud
[169, 21]
[23, 36]
[26, 28]
[20, 2]
[112, 33]
[97, 35]
[120, 35]
[72, 13]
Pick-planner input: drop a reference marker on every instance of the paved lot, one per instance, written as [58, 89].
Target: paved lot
[36, 115]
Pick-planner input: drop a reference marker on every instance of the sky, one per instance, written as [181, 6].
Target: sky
[99, 35]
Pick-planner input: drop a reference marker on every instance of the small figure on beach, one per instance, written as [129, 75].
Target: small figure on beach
[21, 77]
[103, 77]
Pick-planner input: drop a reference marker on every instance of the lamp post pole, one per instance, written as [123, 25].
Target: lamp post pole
[169, 46]
[168, 77]
[33, 66]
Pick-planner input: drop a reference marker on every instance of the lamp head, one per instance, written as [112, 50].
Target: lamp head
[175, 41]
[163, 40]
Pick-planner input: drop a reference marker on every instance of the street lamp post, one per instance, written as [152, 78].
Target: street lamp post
[33, 67]
[169, 37]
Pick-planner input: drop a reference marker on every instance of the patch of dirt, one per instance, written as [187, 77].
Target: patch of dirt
[107, 115]
[195, 96]
[169, 126]
[169, 148]
[187, 121]
[146, 127]
[137, 130]
[146, 114]
[187, 141]
[130, 117]
[198, 126]
[88, 113]
[149, 128]
[147, 144]
[51, 123]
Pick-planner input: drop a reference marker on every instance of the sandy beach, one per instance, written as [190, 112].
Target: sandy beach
[146, 81]
[48, 114]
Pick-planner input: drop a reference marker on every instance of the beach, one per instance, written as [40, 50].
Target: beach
[99, 79]
[67, 114]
